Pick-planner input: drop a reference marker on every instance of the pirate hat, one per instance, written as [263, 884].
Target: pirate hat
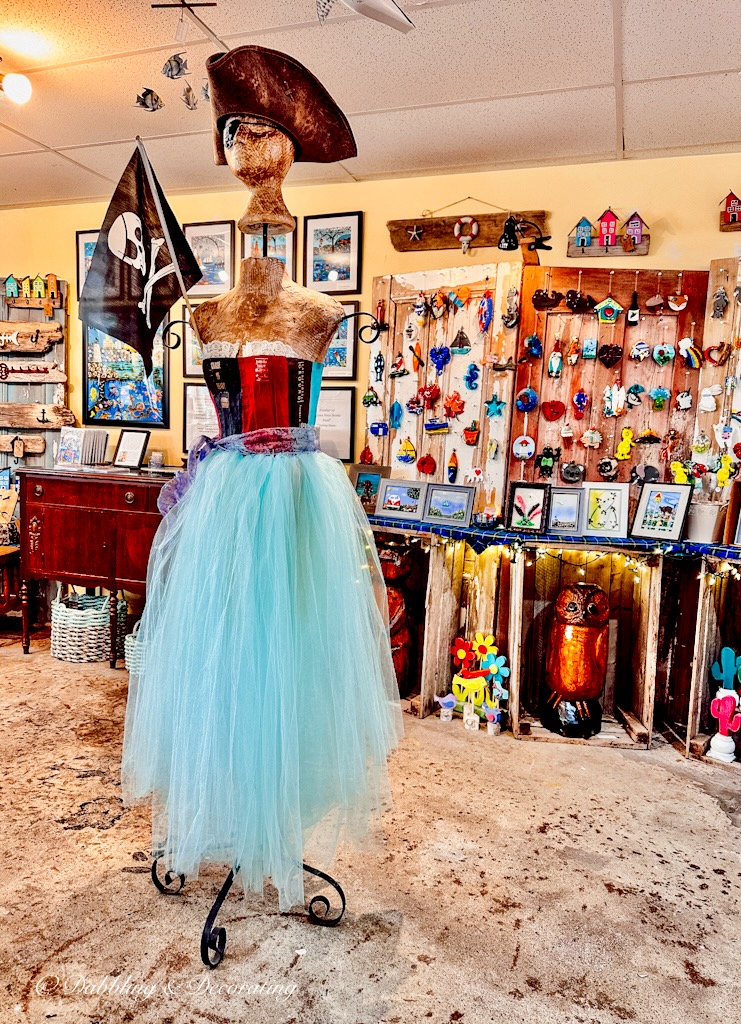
[258, 82]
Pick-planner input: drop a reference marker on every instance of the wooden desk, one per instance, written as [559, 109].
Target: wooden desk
[90, 529]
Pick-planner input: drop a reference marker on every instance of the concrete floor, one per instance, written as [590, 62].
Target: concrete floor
[513, 882]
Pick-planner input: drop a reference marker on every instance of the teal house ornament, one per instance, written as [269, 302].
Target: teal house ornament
[608, 310]
[583, 233]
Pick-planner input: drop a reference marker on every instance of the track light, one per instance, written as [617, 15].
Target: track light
[16, 87]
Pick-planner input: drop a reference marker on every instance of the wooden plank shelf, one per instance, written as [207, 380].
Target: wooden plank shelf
[21, 416]
[33, 303]
[438, 232]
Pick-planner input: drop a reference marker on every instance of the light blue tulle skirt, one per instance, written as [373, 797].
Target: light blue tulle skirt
[267, 703]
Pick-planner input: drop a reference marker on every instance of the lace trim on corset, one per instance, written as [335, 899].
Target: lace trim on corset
[269, 348]
[220, 350]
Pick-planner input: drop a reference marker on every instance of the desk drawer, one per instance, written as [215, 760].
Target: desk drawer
[94, 494]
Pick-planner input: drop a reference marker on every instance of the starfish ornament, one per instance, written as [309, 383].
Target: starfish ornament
[415, 233]
[494, 407]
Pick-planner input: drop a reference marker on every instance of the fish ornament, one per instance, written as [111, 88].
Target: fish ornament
[485, 312]
[175, 66]
[396, 415]
[421, 309]
[189, 98]
[149, 100]
[206, 92]
[452, 467]
[379, 365]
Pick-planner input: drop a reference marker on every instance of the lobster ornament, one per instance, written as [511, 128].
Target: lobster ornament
[576, 662]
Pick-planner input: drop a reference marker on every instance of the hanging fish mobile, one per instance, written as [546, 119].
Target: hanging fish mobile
[189, 98]
[176, 66]
[149, 100]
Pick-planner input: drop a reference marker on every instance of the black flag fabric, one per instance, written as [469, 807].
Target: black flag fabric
[132, 282]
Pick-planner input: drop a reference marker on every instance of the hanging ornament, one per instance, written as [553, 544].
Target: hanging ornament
[421, 309]
[379, 428]
[659, 397]
[640, 351]
[644, 474]
[608, 310]
[440, 356]
[371, 398]
[679, 300]
[542, 300]
[614, 400]
[723, 351]
[577, 302]
[580, 402]
[720, 301]
[591, 438]
[663, 354]
[438, 305]
[572, 472]
[430, 393]
[471, 433]
[633, 394]
[533, 346]
[398, 369]
[494, 407]
[417, 360]
[471, 377]
[656, 302]
[366, 456]
[608, 468]
[465, 230]
[547, 460]
[707, 398]
[426, 465]
[669, 443]
[523, 447]
[572, 356]
[410, 332]
[461, 345]
[684, 401]
[692, 355]
[436, 426]
[701, 443]
[406, 453]
[415, 405]
[555, 363]
[526, 400]
[485, 312]
[453, 406]
[452, 467]
[553, 410]
[679, 473]
[492, 448]
[648, 436]
[610, 355]
[567, 435]
[379, 365]
[460, 296]
[633, 312]
[396, 415]
[626, 445]
[512, 315]
[589, 348]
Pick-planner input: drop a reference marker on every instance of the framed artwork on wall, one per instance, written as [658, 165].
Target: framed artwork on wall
[199, 415]
[662, 510]
[333, 249]
[86, 242]
[606, 509]
[401, 499]
[565, 511]
[335, 419]
[366, 479]
[447, 504]
[280, 247]
[132, 444]
[527, 509]
[212, 243]
[341, 356]
[192, 357]
[115, 390]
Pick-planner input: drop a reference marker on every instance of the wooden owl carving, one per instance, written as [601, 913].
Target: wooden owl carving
[576, 662]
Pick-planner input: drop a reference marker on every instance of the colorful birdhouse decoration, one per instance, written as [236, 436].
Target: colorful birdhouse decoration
[38, 287]
[11, 287]
[730, 215]
[583, 233]
[26, 287]
[608, 310]
[52, 286]
[607, 225]
[635, 227]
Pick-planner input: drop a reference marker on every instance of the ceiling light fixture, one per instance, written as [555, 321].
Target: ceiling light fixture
[16, 87]
[25, 42]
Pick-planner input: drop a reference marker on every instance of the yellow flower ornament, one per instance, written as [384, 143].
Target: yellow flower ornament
[484, 645]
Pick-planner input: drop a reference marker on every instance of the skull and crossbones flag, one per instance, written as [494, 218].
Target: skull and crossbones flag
[133, 281]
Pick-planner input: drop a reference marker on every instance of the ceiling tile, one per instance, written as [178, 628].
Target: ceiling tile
[11, 142]
[679, 37]
[47, 178]
[682, 113]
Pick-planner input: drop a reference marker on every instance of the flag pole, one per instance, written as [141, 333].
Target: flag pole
[168, 240]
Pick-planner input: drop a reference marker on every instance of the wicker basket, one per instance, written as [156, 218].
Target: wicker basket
[134, 651]
[80, 627]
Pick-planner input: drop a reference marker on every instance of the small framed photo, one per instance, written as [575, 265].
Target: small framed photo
[192, 355]
[333, 247]
[129, 453]
[339, 362]
[280, 247]
[565, 510]
[606, 510]
[86, 242]
[447, 504]
[199, 415]
[367, 481]
[401, 499]
[662, 510]
[527, 508]
[212, 243]
[335, 419]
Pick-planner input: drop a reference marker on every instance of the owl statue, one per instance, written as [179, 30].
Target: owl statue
[576, 662]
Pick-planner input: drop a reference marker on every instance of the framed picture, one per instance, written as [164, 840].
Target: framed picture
[199, 415]
[367, 480]
[527, 508]
[335, 418]
[565, 510]
[212, 243]
[86, 242]
[401, 499]
[339, 361]
[333, 246]
[280, 247]
[445, 503]
[606, 509]
[662, 510]
[130, 449]
[192, 356]
[115, 390]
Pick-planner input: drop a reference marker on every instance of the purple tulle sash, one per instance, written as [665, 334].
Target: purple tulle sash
[267, 441]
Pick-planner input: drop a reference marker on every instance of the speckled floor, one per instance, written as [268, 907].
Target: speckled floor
[515, 882]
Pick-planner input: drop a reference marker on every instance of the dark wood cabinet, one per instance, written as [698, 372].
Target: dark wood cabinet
[88, 529]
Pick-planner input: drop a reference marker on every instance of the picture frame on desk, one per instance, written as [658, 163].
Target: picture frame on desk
[199, 415]
[449, 505]
[130, 449]
[662, 511]
[115, 392]
[527, 508]
[401, 499]
[366, 481]
[566, 509]
[335, 420]
[605, 510]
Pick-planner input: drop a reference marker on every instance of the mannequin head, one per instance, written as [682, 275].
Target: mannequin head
[260, 155]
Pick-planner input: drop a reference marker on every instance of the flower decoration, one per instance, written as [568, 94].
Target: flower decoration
[496, 665]
[483, 646]
[463, 653]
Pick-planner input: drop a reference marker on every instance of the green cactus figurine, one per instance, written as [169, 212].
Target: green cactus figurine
[727, 668]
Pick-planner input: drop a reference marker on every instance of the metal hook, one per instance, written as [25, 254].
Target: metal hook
[166, 330]
[375, 326]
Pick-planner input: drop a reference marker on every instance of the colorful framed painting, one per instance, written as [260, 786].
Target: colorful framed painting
[662, 511]
[335, 419]
[192, 356]
[605, 510]
[280, 247]
[527, 509]
[86, 242]
[116, 392]
[199, 414]
[401, 499]
[565, 510]
[333, 249]
[449, 505]
[212, 243]
[340, 360]
[367, 481]
[132, 444]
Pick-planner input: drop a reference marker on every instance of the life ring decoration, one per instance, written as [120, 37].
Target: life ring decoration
[465, 230]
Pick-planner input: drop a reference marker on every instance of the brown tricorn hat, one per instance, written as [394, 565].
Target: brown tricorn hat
[258, 82]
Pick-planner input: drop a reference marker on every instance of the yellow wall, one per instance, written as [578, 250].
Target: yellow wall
[678, 197]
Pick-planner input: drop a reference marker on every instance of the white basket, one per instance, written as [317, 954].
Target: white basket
[134, 651]
[80, 627]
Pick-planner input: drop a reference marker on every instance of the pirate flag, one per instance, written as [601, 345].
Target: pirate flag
[133, 280]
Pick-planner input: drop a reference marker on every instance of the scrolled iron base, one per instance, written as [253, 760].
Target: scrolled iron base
[170, 877]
